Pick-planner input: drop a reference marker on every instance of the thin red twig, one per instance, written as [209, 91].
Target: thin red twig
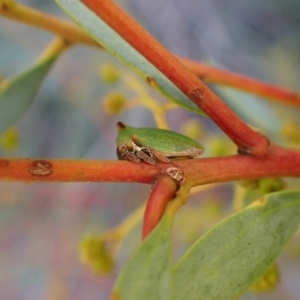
[280, 162]
[71, 32]
[163, 192]
[248, 141]
[216, 75]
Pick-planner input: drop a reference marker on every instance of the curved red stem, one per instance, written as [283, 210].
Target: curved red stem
[248, 141]
[163, 192]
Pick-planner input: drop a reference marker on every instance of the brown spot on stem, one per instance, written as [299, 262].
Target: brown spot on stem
[202, 77]
[197, 95]
[177, 174]
[67, 42]
[40, 168]
[261, 149]
[151, 81]
[4, 163]
[294, 96]
[4, 7]
[245, 151]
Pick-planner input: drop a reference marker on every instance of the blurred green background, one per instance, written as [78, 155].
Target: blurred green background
[41, 224]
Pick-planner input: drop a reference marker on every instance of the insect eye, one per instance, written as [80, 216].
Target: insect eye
[123, 148]
[121, 151]
[121, 125]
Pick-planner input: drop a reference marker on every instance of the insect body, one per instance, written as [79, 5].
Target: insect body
[152, 144]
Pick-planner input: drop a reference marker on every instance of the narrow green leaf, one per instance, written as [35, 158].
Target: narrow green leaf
[147, 275]
[232, 256]
[18, 94]
[118, 47]
[256, 112]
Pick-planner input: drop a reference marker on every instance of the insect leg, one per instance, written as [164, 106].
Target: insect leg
[132, 157]
[124, 152]
[158, 155]
[145, 157]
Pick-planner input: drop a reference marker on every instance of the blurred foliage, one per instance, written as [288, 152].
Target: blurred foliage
[250, 190]
[192, 128]
[9, 140]
[113, 103]
[93, 252]
[109, 73]
[42, 223]
[291, 133]
[268, 282]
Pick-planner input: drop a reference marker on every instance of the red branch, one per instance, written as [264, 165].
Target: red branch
[279, 162]
[71, 32]
[248, 141]
[244, 83]
[162, 193]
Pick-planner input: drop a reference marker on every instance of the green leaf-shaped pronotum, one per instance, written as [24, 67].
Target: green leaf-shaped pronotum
[233, 255]
[168, 143]
[147, 275]
[18, 92]
[113, 43]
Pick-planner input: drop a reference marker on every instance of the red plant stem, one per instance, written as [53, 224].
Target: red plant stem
[23, 13]
[71, 32]
[244, 83]
[73, 170]
[279, 162]
[248, 141]
[163, 192]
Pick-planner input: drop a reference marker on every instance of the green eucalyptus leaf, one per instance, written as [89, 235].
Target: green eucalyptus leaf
[147, 275]
[18, 92]
[117, 46]
[257, 112]
[233, 255]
